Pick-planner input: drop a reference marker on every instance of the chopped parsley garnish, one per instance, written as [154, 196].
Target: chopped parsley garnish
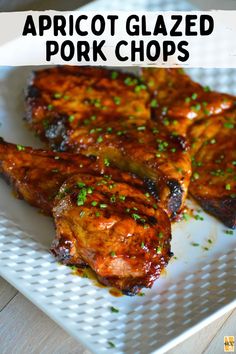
[20, 147]
[57, 95]
[229, 125]
[154, 103]
[111, 344]
[142, 127]
[186, 217]
[50, 107]
[117, 100]
[228, 232]
[122, 197]
[106, 162]
[80, 184]
[114, 75]
[194, 96]
[228, 187]
[142, 245]
[159, 250]
[206, 89]
[114, 309]
[113, 199]
[205, 248]
[139, 88]
[100, 139]
[187, 99]
[196, 175]
[136, 216]
[81, 198]
[103, 206]
[198, 217]
[113, 254]
[71, 118]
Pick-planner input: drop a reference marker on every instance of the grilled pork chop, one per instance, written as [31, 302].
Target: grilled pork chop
[176, 100]
[104, 113]
[103, 217]
[208, 120]
[37, 175]
[114, 229]
[213, 183]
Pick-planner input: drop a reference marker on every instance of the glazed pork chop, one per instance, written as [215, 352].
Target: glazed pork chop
[37, 175]
[103, 217]
[213, 183]
[176, 100]
[207, 118]
[113, 228]
[106, 113]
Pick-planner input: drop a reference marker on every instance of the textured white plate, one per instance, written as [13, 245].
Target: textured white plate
[198, 287]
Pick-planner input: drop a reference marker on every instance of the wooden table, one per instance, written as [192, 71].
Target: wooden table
[24, 329]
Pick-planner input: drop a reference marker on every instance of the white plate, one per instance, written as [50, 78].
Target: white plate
[198, 286]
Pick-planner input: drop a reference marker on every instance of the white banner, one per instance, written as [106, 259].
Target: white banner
[168, 39]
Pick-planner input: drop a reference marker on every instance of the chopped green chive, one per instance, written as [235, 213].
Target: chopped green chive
[206, 89]
[122, 197]
[50, 107]
[94, 203]
[229, 125]
[117, 100]
[136, 216]
[100, 139]
[154, 103]
[187, 99]
[57, 95]
[113, 199]
[196, 175]
[114, 309]
[228, 232]
[141, 128]
[113, 254]
[20, 147]
[81, 198]
[186, 217]
[228, 187]
[194, 96]
[114, 75]
[71, 118]
[80, 184]
[106, 162]
[103, 206]
[195, 244]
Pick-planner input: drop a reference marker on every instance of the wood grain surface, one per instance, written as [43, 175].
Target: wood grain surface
[24, 329]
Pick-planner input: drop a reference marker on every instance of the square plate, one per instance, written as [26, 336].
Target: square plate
[197, 287]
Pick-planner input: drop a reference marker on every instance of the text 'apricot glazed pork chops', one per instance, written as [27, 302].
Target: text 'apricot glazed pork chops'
[105, 113]
[103, 217]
